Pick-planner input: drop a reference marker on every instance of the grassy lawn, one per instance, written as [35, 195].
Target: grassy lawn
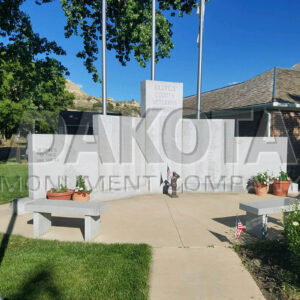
[272, 268]
[41, 269]
[13, 181]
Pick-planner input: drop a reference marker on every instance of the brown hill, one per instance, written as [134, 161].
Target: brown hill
[86, 102]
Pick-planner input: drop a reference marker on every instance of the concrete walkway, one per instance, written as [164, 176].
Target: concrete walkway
[191, 238]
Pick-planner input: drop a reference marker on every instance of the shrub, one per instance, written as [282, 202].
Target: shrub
[97, 104]
[292, 235]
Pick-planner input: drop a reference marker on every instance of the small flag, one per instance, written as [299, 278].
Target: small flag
[168, 173]
[161, 179]
[239, 228]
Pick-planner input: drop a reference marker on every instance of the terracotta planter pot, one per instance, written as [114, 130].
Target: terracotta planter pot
[82, 197]
[60, 196]
[281, 188]
[261, 189]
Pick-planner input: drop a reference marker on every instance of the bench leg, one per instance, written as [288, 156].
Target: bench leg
[41, 223]
[257, 225]
[91, 227]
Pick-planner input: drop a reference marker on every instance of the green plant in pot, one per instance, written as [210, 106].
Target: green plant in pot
[281, 184]
[81, 192]
[261, 183]
[60, 193]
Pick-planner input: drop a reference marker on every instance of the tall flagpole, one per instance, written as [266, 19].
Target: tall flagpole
[104, 57]
[153, 41]
[199, 84]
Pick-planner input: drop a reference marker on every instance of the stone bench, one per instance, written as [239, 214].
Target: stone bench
[257, 213]
[42, 210]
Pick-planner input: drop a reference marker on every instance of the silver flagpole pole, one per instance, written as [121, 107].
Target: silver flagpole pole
[104, 57]
[201, 24]
[153, 41]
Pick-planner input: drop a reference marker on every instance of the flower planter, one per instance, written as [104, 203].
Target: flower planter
[281, 188]
[82, 197]
[60, 196]
[261, 189]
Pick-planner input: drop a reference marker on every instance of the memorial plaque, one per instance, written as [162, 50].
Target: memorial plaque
[161, 95]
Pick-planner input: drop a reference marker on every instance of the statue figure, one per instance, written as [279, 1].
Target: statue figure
[166, 187]
[174, 179]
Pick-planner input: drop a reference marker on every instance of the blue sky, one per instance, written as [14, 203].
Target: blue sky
[242, 38]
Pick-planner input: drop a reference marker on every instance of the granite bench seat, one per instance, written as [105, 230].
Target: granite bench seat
[257, 213]
[42, 210]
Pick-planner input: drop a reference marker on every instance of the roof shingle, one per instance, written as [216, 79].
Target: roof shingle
[257, 90]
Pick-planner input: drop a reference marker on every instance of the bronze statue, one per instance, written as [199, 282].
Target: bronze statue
[166, 187]
[174, 179]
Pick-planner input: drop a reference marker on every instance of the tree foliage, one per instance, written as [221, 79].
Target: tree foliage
[16, 31]
[37, 85]
[129, 24]
[31, 88]
[31, 96]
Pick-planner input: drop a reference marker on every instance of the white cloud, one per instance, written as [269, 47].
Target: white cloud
[233, 82]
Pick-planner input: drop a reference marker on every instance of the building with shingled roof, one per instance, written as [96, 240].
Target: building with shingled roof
[265, 105]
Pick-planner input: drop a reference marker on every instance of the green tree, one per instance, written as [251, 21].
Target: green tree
[31, 95]
[31, 88]
[129, 24]
[18, 38]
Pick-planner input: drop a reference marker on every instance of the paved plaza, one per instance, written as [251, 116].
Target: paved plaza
[191, 238]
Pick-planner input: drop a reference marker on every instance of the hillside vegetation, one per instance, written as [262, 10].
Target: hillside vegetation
[85, 102]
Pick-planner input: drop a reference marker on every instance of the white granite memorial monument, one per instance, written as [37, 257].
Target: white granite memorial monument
[128, 156]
